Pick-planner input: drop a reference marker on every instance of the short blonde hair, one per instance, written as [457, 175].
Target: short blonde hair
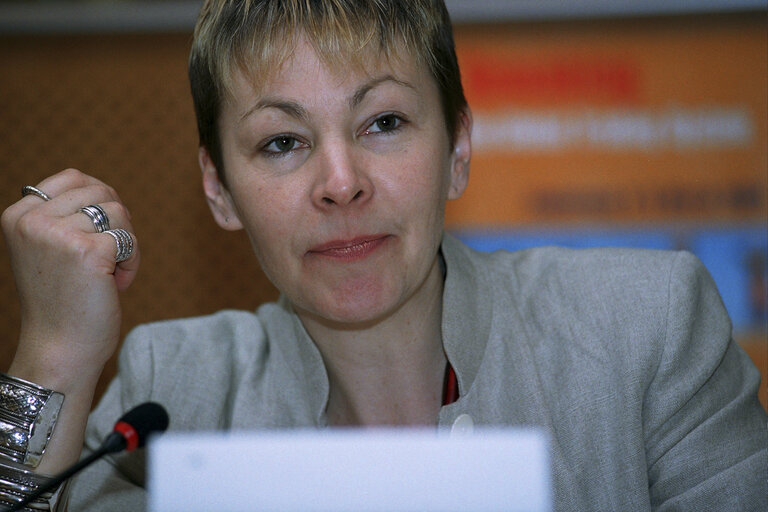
[254, 36]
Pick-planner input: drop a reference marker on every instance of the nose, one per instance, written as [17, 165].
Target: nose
[342, 179]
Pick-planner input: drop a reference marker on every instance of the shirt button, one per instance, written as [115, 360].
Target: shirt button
[462, 425]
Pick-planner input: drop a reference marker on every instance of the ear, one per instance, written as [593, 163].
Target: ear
[462, 151]
[218, 197]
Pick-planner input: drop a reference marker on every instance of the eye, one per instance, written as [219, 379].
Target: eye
[385, 123]
[281, 144]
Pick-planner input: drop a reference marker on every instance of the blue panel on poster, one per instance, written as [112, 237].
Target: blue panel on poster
[737, 257]
[738, 261]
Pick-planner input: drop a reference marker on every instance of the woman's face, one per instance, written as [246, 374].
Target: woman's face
[340, 180]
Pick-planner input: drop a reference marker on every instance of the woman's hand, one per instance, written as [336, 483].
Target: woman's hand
[68, 284]
[67, 279]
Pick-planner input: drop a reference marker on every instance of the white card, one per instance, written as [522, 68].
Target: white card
[350, 470]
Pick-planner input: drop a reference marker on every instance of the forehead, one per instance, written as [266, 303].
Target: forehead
[300, 69]
[341, 40]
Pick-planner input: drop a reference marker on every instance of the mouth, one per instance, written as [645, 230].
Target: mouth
[349, 250]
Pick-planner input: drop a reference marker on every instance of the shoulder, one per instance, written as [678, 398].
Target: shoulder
[570, 267]
[227, 332]
[191, 365]
[625, 277]
[558, 288]
[547, 268]
[610, 304]
[235, 333]
[208, 351]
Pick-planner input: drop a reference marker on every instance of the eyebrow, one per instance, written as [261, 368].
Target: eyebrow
[291, 108]
[360, 93]
[295, 110]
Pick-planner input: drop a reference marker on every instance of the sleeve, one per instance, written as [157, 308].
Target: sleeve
[116, 482]
[706, 434]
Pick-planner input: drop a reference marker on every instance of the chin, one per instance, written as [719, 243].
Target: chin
[360, 315]
[352, 309]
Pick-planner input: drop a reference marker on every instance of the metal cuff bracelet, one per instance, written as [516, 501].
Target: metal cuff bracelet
[28, 415]
[17, 482]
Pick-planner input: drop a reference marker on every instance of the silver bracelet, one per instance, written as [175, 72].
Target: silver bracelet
[18, 482]
[28, 413]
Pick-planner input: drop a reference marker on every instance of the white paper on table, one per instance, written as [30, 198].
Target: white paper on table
[350, 470]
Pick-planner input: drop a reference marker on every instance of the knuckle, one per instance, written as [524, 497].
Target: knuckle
[103, 192]
[27, 226]
[75, 177]
[111, 193]
[122, 210]
[119, 213]
[71, 175]
[93, 190]
[8, 219]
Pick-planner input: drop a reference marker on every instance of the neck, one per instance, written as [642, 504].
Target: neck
[388, 372]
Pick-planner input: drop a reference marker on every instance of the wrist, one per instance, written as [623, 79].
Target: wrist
[64, 369]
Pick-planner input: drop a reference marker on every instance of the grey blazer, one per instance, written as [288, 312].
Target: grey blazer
[625, 357]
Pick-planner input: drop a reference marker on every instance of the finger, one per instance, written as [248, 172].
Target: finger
[99, 217]
[105, 249]
[72, 200]
[70, 179]
[59, 208]
[68, 193]
[126, 256]
[125, 271]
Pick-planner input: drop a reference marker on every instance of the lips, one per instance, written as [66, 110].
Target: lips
[351, 249]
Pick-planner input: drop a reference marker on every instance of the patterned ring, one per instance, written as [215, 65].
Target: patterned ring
[124, 244]
[27, 190]
[98, 216]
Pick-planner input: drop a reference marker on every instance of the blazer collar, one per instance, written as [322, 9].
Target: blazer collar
[467, 311]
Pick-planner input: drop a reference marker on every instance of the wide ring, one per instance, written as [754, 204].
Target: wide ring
[124, 244]
[27, 190]
[98, 216]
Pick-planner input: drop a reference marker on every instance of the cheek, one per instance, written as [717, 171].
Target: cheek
[266, 213]
[424, 181]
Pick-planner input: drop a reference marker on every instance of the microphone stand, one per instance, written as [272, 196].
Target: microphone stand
[114, 442]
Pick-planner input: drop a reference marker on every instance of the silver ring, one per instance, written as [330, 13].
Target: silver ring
[27, 190]
[98, 216]
[124, 243]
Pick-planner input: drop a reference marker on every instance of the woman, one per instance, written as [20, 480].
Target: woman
[333, 133]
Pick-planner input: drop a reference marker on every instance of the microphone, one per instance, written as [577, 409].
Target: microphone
[133, 428]
[130, 432]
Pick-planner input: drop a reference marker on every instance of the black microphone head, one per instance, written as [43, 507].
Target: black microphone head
[145, 419]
